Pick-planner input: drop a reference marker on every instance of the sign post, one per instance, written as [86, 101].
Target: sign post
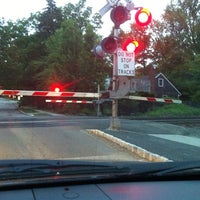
[115, 122]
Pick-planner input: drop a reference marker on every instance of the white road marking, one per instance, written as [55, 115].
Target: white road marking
[194, 141]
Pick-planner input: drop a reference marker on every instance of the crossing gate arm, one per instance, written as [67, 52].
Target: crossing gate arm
[153, 99]
[48, 93]
[68, 101]
[9, 92]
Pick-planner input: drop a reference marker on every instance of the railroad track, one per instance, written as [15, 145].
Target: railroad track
[186, 121]
[189, 122]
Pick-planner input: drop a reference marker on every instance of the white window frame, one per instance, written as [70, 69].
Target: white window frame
[160, 82]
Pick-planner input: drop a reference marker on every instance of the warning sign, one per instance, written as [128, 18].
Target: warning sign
[125, 63]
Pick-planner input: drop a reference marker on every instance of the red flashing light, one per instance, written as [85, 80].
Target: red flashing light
[130, 45]
[56, 87]
[143, 17]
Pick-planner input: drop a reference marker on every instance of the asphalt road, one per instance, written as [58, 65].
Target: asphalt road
[59, 136]
[24, 136]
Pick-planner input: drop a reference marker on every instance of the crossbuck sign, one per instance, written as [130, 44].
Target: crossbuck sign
[125, 63]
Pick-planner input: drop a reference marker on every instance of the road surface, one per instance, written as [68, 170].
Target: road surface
[25, 136]
[58, 136]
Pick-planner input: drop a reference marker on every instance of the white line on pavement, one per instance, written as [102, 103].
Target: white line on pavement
[194, 141]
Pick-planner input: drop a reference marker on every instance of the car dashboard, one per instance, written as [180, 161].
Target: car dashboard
[148, 190]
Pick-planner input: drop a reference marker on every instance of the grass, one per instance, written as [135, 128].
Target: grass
[168, 110]
[33, 111]
[174, 110]
[28, 110]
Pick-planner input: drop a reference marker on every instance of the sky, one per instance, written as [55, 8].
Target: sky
[17, 9]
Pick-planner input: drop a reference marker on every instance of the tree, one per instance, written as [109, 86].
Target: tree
[32, 58]
[178, 39]
[49, 20]
[69, 58]
[193, 82]
[12, 56]
[175, 45]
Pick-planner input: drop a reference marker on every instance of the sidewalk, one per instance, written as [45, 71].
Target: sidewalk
[151, 147]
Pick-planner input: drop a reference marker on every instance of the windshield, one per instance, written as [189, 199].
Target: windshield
[92, 87]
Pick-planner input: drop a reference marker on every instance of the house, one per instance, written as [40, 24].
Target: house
[157, 84]
[142, 84]
[163, 87]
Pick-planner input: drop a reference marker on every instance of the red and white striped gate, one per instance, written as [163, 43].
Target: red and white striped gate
[153, 99]
[68, 101]
[22, 93]
[48, 93]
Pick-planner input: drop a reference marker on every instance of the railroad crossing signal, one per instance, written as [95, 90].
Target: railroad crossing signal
[120, 14]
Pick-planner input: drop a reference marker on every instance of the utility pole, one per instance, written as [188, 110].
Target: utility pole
[98, 104]
[115, 122]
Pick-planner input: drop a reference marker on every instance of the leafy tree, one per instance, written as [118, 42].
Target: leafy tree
[194, 71]
[178, 39]
[33, 55]
[175, 44]
[69, 58]
[12, 57]
[49, 20]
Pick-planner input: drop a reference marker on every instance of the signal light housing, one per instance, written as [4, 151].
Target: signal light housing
[143, 17]
[98, 51]
[119, 15]
[109, 44]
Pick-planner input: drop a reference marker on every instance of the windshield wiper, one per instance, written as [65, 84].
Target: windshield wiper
[166, 169]
[181, 168]
[77, 167]
[47, 168]
[51, 171]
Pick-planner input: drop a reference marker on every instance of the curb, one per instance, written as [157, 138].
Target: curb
[143, 153]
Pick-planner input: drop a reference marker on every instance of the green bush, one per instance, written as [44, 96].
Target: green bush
[174, 110]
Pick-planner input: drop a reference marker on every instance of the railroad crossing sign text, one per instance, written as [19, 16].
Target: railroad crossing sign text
[126, 63]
